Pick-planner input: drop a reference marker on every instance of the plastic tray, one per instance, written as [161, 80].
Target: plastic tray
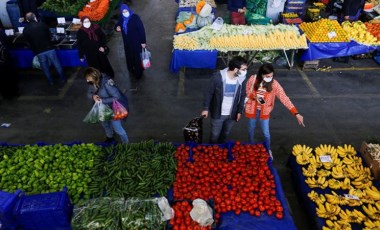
[44, 211]
[7, 203]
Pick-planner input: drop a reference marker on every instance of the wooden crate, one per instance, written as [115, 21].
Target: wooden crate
[374, 165]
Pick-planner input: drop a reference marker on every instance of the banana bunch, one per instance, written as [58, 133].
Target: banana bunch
[361, 182]
[321, 182]
[337, 225]
[346, 184]
[183, 42]
[316, 198]
[353, 171]
[372, 193]
[336, 199]
[322, 150]
[352, 160]
[371, 225]
[359, 193]
[289, 15]
[328, 211]
[358, 32]
[337, 172]
[354, 202]
[310, 171]
[316, 162]
[302, 159]
[364, 171]
[354, 216]
[323, 172]
[335, 161]
[302, 149]
[346, 150]
[372, 211]
[334, 184]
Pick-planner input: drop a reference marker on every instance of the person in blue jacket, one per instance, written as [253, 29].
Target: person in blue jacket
[133, 31]
[224, 99]
[238, 10]
[103, 88]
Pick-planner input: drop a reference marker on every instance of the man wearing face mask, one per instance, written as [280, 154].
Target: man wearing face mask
[37, 34]
[261, 91]
[224, 99]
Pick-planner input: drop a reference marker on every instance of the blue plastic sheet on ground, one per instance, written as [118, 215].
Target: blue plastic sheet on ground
[335, 49]
[193, 59]
[68, 58]
[244, 221]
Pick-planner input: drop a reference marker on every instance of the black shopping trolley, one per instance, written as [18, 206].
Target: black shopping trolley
[192, 132]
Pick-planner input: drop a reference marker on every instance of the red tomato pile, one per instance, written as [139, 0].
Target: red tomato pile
[244, 184]
[182, 219]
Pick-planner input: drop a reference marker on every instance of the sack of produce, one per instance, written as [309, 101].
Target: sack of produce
[119, 111]
[202, 213]
[192, 132]
[99, 112]
[145, 58]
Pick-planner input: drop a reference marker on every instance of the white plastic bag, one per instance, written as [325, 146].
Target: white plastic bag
[201, 213]
[167, 211]
[36, 63]
[145, 58]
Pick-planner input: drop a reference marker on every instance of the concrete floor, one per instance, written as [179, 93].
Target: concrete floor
[339, 106]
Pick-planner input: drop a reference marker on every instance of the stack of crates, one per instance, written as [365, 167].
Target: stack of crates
[295, 6]
[44, 211]
[7, 204]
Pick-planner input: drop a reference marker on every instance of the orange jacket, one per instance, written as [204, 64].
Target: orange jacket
[269, 97]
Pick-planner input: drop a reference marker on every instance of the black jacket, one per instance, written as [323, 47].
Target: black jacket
[213, 96]
[37, 34]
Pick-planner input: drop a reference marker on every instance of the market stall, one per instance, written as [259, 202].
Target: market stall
[335, 186]
[225, 39]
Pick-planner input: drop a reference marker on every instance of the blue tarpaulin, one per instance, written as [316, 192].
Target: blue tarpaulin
[335, 49]
[193, 59]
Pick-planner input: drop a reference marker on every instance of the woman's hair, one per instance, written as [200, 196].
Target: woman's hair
[263, 70]
[236, 62]
[94, 74]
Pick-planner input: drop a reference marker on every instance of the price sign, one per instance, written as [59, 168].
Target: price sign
[60, 30]
[20, 29]
[61, 20]
[76, 20]
[9, 32]
[352, 197]
[325, 158]
[331, 34]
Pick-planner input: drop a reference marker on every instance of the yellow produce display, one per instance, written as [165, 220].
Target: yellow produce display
[324, 30]
[242, 37]
[358, 31]
[341, 187]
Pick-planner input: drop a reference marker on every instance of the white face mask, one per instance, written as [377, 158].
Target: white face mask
[242, 73]
[86, 24]
[126, 14]
[268, 79]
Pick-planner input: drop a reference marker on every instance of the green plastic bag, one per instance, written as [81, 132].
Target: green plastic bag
[99, 112]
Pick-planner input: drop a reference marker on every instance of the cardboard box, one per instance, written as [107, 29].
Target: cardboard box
[371, 163]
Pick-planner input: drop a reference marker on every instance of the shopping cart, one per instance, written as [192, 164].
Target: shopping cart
[192, 132]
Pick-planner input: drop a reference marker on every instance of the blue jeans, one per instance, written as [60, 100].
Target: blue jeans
[264, 124]
[111, 126]
[220, 129]
[50, 57]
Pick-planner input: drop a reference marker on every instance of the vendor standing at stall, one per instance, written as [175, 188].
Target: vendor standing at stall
[351, 9]
[133, 31]
[92, 46]
[37, 34]
[238, 10]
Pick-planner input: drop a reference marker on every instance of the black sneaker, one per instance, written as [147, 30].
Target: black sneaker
[109, 140]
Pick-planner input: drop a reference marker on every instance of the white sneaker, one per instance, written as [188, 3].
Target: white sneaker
[270, 154]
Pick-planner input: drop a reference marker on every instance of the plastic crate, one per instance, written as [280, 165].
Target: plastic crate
[45, 211]
[7, 203]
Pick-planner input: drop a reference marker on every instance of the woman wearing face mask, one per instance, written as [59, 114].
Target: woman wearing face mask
[92, 47]
[132, 29]
[102, 88]
[261, 90]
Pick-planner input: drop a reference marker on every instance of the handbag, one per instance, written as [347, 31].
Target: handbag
[145, 58]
